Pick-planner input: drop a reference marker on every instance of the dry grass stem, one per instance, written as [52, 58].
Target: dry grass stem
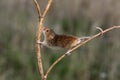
[38, 50]
[38, 9]
[104, 31]
[38, 36]
[69, 51]
[47, 7]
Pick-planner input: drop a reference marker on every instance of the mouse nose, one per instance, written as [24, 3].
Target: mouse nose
[44, 28]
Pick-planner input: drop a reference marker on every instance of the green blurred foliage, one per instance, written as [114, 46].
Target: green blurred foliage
[97, 60]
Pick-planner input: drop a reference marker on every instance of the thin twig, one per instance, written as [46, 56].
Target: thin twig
[47, 7]
[38, 9]
[51, 67]
[69, 51]
[38, 50]
[106, 30]
[38, 36]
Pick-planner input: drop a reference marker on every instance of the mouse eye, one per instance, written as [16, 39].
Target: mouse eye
[47, 30]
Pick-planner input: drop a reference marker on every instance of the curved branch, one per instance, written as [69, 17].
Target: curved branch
[38, 9]
[47, 8]
[65, 54]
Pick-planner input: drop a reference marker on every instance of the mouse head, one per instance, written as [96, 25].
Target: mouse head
[48, 33]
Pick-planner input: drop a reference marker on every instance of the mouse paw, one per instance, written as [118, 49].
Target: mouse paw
[68, 53]
[39, 42]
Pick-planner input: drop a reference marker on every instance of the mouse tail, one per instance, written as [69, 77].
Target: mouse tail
[84, 38]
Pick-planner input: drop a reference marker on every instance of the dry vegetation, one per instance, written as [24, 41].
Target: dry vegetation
[99, 60]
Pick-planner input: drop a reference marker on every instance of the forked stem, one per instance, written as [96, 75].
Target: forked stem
[38, 35]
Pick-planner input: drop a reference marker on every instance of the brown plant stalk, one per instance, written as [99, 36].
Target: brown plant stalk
[69, 51]
[38, 9]
[38, 35]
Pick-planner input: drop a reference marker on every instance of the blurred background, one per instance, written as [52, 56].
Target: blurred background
[97, 60]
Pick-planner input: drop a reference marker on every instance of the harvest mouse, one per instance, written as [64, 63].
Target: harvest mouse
[52, 39]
